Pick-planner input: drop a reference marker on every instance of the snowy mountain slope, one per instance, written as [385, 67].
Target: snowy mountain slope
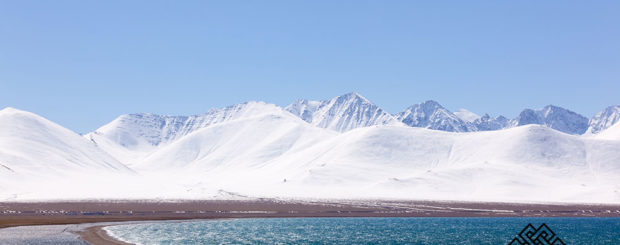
[466, 115]
[611, 133]
[432, 115]
[132, 137]
[461, 164]
[554, 117]
[342, 113]
[604, 119]
[526, 163]
[243, 143]
[530, 144]
[32, 145]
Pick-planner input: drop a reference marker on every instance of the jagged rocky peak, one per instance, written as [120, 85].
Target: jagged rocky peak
[604, 119]
[528, 116]
[432, 115]
[488, 123]
[554, 117]
[342, 113]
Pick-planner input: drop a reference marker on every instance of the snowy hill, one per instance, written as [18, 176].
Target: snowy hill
[523, 163]
[240, 144]
[554, 117]
[604, 119]
[342, 113]
[432, 115]
[132, 137]
[35, 149]
[42, 160]
[32, 145]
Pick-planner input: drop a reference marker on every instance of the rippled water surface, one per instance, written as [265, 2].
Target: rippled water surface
[366, 231]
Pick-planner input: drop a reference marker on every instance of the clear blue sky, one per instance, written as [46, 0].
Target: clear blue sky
[83, 63]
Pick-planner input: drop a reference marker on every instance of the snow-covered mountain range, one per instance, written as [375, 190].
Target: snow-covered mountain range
[351, 111]
[345, 147]
[554, 117]
[432, 115]
[342, 113]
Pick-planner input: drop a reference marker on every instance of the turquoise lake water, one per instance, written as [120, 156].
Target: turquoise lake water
[366, 231]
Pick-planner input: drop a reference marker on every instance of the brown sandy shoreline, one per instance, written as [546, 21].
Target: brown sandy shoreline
[48, 213]
[96, 235]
